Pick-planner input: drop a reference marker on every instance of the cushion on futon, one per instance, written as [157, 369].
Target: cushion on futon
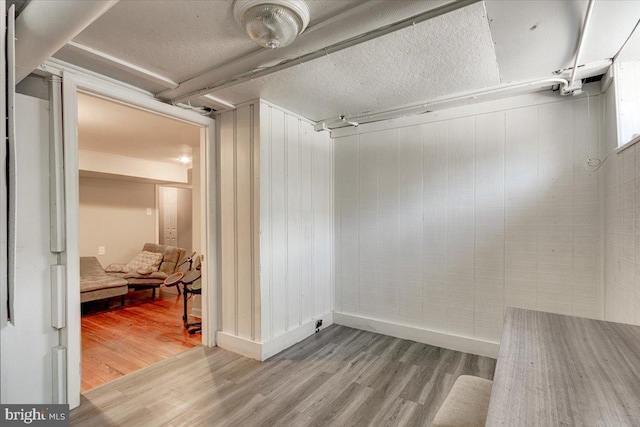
[170, 258]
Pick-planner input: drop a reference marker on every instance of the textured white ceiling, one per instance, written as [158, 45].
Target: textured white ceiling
[482, 45]
[113, 128]
[181, 39]
[448, 54]
[535, 38]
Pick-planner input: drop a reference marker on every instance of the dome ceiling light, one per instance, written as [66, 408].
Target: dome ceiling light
[272, 23]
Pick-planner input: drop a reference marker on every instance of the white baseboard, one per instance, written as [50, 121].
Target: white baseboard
[438, 339]
[293, 336]
[263, 351]
[239, 345]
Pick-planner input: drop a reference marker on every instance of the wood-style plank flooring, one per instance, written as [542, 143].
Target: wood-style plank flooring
[121, 340]
[340, 376]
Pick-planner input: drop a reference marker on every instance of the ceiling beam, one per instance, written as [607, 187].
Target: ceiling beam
[104, 58]
[44, 27]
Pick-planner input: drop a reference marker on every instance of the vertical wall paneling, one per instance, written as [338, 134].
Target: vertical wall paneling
[388, 294]
[460, 225]
[278, 223]
[297, 220]
[244, 267]
[255, 222]
[521, 207]
[489, 226]
[294, 206]
[621, 175]
[239, 194]
[367, 223]
[434, 247]
[441, 225]
[265, 229]
[306, 242]
[347, 240]
[409, 234]
[227, 221]
[321, 183]
[276, 178]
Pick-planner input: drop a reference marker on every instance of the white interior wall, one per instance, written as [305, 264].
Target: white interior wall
[239, 247]
[93, 161]
[276, 229]
[444, 222]
[621, 175]
[114, 214]
[26, 345]
[295, 222]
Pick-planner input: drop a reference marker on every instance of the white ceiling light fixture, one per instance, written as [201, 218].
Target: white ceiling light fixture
[272, 23]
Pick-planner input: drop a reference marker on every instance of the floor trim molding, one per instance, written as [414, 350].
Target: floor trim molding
[425, 336]
[239, 345]
[294, 336]
[263, 351]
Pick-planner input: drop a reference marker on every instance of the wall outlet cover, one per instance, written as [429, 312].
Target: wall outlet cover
[101, 250]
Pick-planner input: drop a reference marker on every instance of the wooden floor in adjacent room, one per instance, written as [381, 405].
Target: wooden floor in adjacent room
[340, 376]
[120, 340]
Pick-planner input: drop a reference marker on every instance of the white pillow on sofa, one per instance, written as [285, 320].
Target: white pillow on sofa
[145, 262]
[116, 268]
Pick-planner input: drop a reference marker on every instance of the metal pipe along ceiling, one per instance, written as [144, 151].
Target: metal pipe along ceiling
[46, 26]
[580, 41]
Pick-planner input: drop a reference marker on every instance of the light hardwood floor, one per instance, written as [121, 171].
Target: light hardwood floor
[340, 376]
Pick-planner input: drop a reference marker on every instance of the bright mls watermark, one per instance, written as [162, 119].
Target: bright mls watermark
[34, 415]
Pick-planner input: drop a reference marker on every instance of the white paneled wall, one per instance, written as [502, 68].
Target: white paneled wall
[443, 224]
[240, 289]
[296, 225]
[276, 203]
[621, 174]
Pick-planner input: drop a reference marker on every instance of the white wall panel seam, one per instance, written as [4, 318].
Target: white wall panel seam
[332, 275]
[286, 223]
[475, 235]
[576, 112]
[235, 220]
[312, 147]
[251, 216]
[270, 110]
[504, 217]
[422, 142]
[301, 240]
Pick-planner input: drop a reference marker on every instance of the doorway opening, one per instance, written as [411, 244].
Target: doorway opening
[141, 207]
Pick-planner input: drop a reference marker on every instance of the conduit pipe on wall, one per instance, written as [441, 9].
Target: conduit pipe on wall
[437, 104]
[570, 88]
[44, 27]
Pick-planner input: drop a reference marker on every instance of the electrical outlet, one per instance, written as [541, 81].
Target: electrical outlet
[318, 324]
[101, 250]
[149, 212]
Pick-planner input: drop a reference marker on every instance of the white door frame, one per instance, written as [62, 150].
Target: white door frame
[71, 84]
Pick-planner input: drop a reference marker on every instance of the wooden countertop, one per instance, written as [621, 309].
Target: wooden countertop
[556, 370]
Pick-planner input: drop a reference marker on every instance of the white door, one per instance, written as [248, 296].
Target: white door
[170, 215]
[27, 344]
